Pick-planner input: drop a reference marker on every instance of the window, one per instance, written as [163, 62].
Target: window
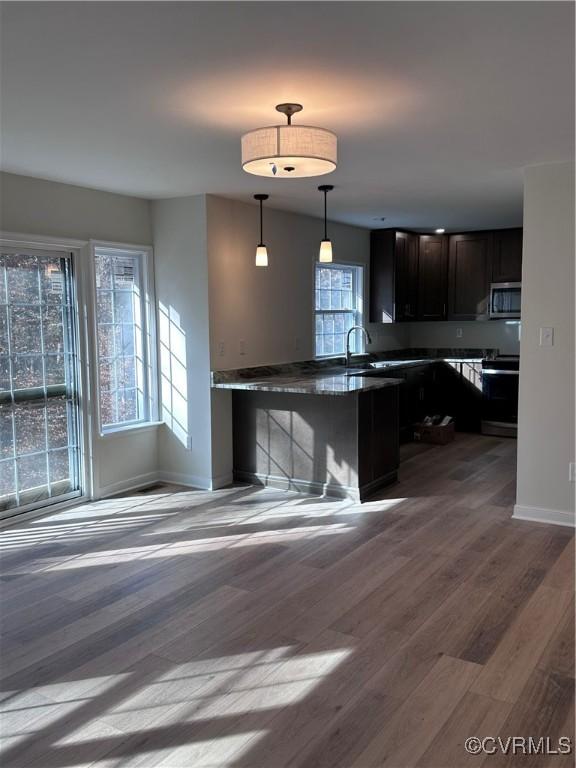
[122, 337]
[39, 429]
[338, 307]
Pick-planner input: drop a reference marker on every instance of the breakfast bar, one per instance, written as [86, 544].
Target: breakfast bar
[326, 432]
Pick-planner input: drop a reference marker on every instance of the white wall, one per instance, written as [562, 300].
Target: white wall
[38, 207]
[492, 334]
[30, 206]
[546, 409]
[181, 263]
[271, 310]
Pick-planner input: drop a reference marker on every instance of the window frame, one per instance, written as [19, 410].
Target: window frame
[358, 290]
[149, 340]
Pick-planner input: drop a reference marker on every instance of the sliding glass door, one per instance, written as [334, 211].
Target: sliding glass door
[40, 458]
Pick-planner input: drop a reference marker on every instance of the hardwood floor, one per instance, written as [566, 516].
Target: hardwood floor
[256, 628]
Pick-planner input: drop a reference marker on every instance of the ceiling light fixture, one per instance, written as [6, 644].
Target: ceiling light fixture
[289, 151]
[325, 254]
[261, 252]
[440, 231]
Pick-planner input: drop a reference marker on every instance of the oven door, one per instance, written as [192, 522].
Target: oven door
[505, 300]
[500, 395]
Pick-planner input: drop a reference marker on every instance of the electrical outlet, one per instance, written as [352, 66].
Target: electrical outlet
[242, 347]
[458, 333]
[221, 349]
[572, 472]
[546, 337]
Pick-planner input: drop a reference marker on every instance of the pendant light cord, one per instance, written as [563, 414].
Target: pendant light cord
[261, 225]
[325, 216]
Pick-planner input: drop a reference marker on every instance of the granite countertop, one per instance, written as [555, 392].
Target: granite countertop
[338, 383]
[331, 377]
[423, 361]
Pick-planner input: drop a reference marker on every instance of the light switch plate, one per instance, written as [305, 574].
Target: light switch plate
[546, 337]
[572, 472]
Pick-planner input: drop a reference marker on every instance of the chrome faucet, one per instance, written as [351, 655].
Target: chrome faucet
[355, 328]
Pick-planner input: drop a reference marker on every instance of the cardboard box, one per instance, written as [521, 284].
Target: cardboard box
[436, 435]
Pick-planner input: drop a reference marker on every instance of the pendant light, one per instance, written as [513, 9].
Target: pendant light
[325, 254]
[261, 252]
[289, 151]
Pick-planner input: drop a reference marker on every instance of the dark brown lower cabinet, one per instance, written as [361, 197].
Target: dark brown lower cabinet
[440, 388]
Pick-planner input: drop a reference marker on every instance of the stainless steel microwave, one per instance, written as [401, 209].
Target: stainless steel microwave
[505, 300]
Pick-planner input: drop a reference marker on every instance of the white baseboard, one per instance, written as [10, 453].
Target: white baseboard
[196, 481]
[541, 515]
[222, 481]
[131, 484]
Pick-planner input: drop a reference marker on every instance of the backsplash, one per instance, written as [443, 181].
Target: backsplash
[495, 334]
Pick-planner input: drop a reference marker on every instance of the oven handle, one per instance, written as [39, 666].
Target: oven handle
[496, 371]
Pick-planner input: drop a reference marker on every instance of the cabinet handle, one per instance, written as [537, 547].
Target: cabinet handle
[444, 310]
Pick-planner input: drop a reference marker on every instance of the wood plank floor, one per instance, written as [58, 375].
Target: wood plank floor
[256, 628]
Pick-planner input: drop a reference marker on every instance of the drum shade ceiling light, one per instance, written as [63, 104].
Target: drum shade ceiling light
[289, 151]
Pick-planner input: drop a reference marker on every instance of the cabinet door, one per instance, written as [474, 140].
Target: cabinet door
[507, 256]
[469, 275]
[382, 252]
[406, 275]
[432, 275]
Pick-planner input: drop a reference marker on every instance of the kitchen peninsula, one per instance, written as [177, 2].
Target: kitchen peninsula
[314, 427]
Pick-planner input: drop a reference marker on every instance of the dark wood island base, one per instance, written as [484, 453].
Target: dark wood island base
[343, 446]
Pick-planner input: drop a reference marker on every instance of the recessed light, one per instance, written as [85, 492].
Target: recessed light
[440, 231]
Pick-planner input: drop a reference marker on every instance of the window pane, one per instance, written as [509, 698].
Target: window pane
[59, 465]
[57, 416]
[32, 471]
[105, 311]
[27, 371]
[25, 328]
[55, 369]
[120, 336]
[22, 278]
[30, 427]
[6, 441]
[3, 328]
[7, 479]
[52, 278]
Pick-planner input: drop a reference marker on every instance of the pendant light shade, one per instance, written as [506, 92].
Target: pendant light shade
[325, 254]
[261, 251]
[289, 151]
[261, 256]
[325, 251]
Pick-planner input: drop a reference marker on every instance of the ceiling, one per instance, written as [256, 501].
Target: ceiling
[437, 105]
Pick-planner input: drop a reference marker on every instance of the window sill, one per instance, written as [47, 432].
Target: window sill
[143, 427]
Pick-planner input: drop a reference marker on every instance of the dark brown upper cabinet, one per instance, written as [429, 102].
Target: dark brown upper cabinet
[469, 275]
[507, 256]
[432, 277]
[393, 276]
